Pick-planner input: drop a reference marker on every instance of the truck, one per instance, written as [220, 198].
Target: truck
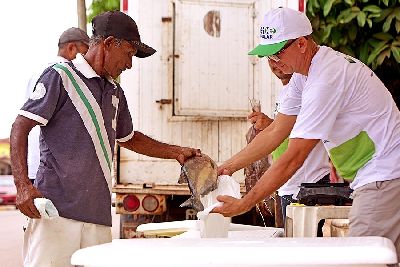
[194, 91]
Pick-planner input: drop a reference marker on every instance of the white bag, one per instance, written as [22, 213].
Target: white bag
[46, 208]
[215, 224]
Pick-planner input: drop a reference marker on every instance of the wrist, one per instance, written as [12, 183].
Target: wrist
[230, 166]
[174, 152]
[22, 183]
[245, 204]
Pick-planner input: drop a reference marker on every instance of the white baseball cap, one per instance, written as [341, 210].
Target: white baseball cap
[280, 25]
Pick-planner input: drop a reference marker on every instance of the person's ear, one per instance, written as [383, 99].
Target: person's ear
[71, 51]
[71, 47]
[108, 41]
[302, 44]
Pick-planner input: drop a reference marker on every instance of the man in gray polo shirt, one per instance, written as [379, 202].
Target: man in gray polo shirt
[82, 111]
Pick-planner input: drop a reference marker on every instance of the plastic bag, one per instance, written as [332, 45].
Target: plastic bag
[226, 186]
[46, 208]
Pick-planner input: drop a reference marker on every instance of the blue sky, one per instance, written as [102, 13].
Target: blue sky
[29, 36]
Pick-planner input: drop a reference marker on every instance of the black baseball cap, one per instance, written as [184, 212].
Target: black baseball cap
[121, 26]
[73, 35]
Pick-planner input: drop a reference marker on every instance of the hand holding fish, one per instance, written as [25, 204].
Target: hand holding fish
[224, 169]
[186, 153]
[259, 120]
[231, 206]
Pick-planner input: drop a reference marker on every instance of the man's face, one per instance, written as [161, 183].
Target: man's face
[289, 57]
[118, 57]
[277, 71]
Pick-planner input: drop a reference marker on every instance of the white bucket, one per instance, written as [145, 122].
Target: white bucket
[214, 225]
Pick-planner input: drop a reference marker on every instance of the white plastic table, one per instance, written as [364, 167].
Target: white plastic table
[191, 228]
[239, 251]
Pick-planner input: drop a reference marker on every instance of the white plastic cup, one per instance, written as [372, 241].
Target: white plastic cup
[214, 225]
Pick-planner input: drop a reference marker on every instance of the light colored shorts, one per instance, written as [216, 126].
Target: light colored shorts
[51, 242]
[376, 211]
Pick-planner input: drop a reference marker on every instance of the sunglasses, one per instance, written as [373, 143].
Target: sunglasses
[275, 56]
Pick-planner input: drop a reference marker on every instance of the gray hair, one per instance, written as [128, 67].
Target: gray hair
[97, 39]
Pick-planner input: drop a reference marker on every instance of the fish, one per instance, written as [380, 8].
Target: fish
[254, 171]
[200, 173]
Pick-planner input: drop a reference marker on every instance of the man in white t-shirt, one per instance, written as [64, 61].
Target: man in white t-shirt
[71, 42]
[344, 104]
[315, 168]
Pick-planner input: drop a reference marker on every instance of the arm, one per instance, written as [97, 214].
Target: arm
[263, 144]
[26, 192]
[145, 145]
[272, 179]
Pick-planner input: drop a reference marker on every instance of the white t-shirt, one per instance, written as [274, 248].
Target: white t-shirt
[316, 165]
[346, 105]
[34, 134]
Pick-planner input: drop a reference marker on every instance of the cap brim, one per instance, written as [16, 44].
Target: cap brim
[143, 50]
[267, 50]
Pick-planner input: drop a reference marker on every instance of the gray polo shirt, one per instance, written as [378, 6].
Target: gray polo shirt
[70, 171]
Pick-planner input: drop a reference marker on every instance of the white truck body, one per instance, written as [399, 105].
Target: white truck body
[195, 90]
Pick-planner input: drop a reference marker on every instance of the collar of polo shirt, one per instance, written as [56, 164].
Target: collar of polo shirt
[83, 66]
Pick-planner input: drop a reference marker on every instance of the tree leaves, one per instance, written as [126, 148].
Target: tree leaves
[100, 6]
[396, 53]
[388, 21]
[353, 32]
[328, 6]
[361, 18]
[363, 28]
[372, 9]
[382, 36]
[384, 14]
[369, 23]
[395, 48]
[348, 14]
[382, 55]
[378, 49]
[326, 33]
[364, 53]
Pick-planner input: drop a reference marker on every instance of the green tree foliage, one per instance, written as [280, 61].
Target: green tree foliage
[100, 6]
[366, 29]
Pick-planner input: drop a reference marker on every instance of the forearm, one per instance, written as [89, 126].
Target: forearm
[26, 192]
[276, 176]
[145, 145]
[280, 172]
[264, 143]
[18, 152]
